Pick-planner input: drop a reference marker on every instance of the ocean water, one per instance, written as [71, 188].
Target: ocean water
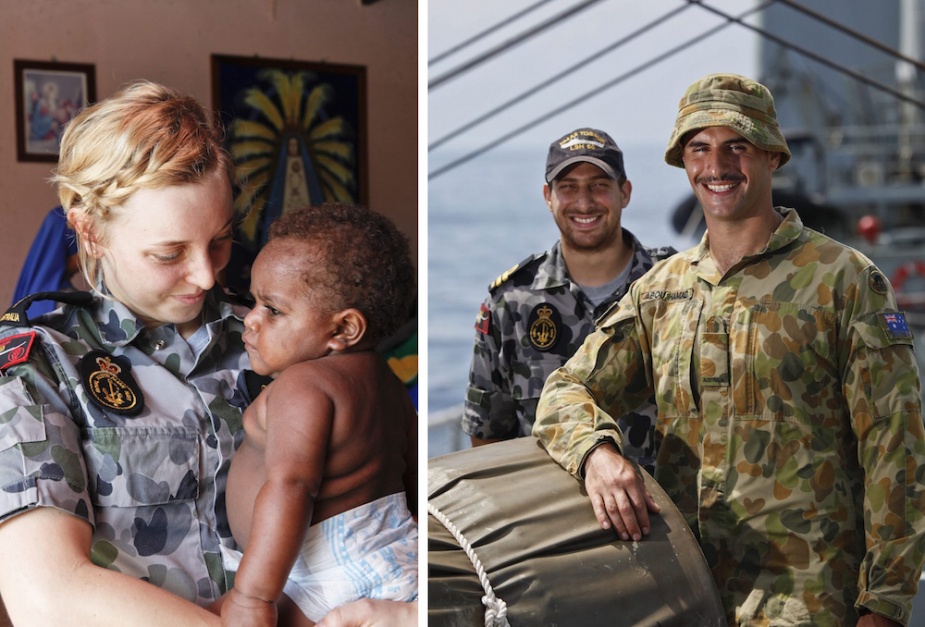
[485, 217]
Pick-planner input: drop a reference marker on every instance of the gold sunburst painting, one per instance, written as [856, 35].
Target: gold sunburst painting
[296, 132]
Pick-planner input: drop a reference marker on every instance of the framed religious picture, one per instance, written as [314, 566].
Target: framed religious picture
[48, 95]
[297, 133]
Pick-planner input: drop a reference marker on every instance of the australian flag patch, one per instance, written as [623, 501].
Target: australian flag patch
[895, 325]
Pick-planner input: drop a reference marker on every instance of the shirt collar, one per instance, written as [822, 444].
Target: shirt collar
[553, 273]
[788, 231]
[119, 326]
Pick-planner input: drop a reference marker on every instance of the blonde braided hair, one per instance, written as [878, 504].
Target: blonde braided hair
[146, 136]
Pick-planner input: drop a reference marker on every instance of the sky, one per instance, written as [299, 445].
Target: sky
[640, 107]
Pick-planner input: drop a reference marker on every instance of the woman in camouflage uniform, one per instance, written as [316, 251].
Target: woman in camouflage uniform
[120, 411]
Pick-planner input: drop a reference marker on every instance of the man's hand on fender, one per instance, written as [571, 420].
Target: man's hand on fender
[618, 493]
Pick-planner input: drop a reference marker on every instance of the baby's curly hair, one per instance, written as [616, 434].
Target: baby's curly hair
[364, 262]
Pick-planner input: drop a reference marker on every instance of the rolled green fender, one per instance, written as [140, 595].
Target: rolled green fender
[531, 527]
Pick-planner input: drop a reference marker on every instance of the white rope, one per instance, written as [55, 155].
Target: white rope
[495, 608]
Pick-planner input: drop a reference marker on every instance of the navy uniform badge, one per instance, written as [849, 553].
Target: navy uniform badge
[543, 325]
[15, 349]
[109, 383]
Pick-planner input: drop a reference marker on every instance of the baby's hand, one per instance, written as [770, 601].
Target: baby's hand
[240, 610]
[372, 613]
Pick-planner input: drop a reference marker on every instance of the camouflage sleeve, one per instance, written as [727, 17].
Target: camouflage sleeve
[41, 460]
[605, 378]
[489, 407]
[881, 385]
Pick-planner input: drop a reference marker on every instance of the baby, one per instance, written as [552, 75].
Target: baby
[317, 491]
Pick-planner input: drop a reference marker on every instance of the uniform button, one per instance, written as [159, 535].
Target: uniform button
[160, 344]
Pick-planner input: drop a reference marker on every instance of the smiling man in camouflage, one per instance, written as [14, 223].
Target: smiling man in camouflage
[789, 418]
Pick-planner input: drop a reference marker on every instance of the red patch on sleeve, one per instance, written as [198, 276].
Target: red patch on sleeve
[15, 349]
[483, 322]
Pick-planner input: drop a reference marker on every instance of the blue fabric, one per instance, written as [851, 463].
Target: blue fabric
[45, 268]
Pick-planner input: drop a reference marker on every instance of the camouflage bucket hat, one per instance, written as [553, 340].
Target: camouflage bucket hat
[739, 103]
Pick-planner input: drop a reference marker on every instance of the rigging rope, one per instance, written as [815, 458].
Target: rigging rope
[482, 58]
[524, 95]
[495, 608]
[497, 141]
[819, 58]
[487, 31]
[853, 33]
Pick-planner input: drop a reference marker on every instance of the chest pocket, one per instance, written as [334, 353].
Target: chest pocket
[787, 364]
[530, 376]
[673, 352]
[23, 422]
[139, 466]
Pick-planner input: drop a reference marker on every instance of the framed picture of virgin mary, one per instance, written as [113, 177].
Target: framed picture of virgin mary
[297, 133]
[48, 95]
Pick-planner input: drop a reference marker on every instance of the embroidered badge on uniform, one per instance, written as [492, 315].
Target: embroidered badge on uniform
[544, 326]
[895, 326]
[15, 349]
[877, 282]
[109, 383]
[483, 322]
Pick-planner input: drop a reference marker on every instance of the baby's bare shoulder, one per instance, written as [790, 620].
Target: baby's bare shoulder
[323, 368]
[334, 375]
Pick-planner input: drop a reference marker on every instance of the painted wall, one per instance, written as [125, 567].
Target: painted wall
[170, 41]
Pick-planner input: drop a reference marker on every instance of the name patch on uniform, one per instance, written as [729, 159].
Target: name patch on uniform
[483, 322]
[667, 295]
[15, 349]
[543, 325]
[895, 326]
[109, 383]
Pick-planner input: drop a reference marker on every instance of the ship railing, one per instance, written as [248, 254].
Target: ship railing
[444, 431]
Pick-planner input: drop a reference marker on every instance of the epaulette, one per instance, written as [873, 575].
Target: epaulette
[661, 252]
[507, 274]
[612, 308]
[16, 315]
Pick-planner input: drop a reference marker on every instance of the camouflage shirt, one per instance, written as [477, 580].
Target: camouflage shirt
[789, 421]
[533, 320]
[129, 429]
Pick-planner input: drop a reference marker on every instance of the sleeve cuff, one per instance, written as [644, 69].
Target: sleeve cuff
[868, 603]
[599, 438]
